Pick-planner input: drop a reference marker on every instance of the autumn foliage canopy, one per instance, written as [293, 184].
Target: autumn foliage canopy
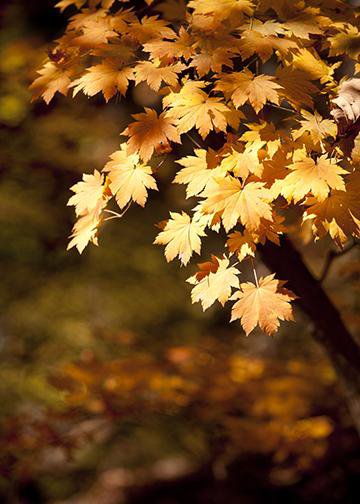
[256, 88]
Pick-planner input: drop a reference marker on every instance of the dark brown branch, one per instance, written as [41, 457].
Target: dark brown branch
[329, 329]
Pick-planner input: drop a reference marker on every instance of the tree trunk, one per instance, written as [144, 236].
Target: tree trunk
[329, 329]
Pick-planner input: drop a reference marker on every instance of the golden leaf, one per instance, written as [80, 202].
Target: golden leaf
[107, 77]
[88, 193]
[181, 236]
[308, 176]
[237, 203]
[264, 304]
[316, 127]
[154, 74]
[52, 79]
[129, 178]
[245, 86]
[339, 214]
[196, 172]
[192, 107]
[215, 286]
[148, 132]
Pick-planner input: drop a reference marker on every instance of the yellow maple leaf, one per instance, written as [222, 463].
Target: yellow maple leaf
[88, 193]
[310, 63]
[264, 304]
[263, 135]
[129, 178]
[149, 28]
[85, 229]
[303, 25]
[96, 30]
[63, 4]
[215, 286]
[52, 79]
[154, 74]
[346, 42]
[316, 127]
[296, 87]
[242, 163]
[180, 47]
[247, 204]
[245, 86]
[308, 176]
[181, 236]
[192, 107]
[221, 9]
[107, 77]
[264, 44]
[339, 214]
[213, 59]
[196, 172]
[149, 132]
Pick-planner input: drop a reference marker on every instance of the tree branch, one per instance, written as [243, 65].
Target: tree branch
[329, 329]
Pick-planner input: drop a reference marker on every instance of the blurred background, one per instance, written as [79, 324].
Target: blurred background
[113, 387]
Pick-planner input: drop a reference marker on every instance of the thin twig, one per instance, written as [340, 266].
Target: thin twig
[280, 107]
[332, 255]
[194, 141]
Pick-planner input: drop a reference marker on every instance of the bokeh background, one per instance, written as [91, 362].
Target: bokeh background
[113, 387]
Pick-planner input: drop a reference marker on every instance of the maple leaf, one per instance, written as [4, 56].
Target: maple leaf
[148, 132]
[107, 77]
[52, 79]
[346, 42]
[129, 178]
[191, 107]
[89, 200]
[263, 135]
[245, 162]
[237, 203]
[88, 192]
[180, 47]
[339, 214]
[316, 127]
[296, 87]
[264, 44]
[310, 63]
[242, 244]
[154, 74]
[85, 229]
[274, 172]
[215, 286]
[206, 268]
[213, 59]
[96, 30]
[181, 236]
[221, 9]
[270, 230]
[303, 25]
[63, 4]
[315, 177]
[196, 172]
[149, 28]
[245, 86]
[264, 304]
